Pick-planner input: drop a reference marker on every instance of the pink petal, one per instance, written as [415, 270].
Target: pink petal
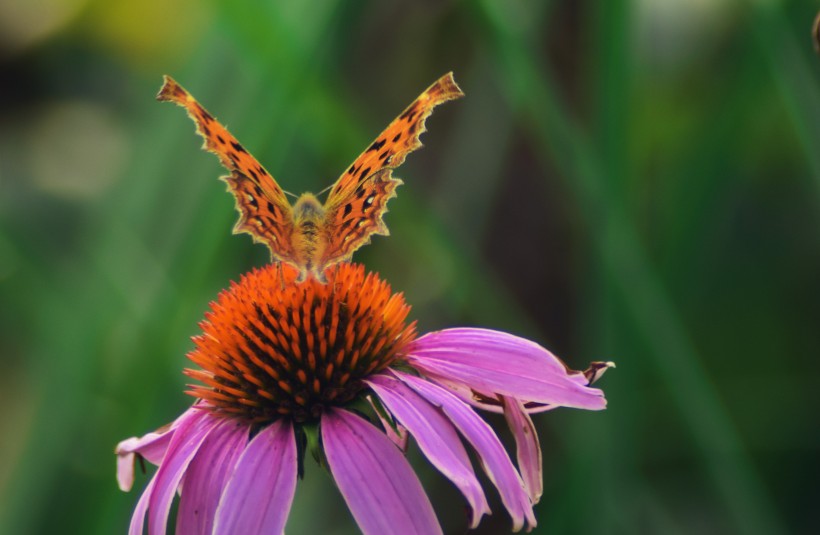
[494, 458]
[207, 475]
[375, 479]
[138, 518]
[260, 492]
[436, 437]
[150, 447]
[489, 402]
[128, 448]
[186, 441]
[528, 448]
[468, 395]
[496, 362]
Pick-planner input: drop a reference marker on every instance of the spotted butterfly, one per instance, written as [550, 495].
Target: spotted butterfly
[309, 234]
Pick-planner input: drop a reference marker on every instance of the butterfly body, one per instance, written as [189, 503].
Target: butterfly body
[309, 238]
[312, 235]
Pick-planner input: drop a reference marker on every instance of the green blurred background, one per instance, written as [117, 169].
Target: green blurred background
[628, 181]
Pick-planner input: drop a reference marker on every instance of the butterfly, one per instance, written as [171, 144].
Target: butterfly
[311, 235]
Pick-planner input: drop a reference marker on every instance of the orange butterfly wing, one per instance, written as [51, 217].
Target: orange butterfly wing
[358, 200]
[265, 212]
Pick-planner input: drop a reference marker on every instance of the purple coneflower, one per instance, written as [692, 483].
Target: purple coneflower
[287, 366]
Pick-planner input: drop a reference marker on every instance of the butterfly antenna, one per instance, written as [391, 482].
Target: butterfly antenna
[324, 190]
[292, 195]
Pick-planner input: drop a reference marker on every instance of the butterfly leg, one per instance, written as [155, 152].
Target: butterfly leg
[281, 276]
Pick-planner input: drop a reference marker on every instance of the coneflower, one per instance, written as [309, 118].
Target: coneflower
[336, 369]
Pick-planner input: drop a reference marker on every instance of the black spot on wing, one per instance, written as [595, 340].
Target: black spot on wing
[408, 114]
[238, 146]
[207, 117]
[376, 145]
[347, 224]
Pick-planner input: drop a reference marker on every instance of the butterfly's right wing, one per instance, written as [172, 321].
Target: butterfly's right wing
[358, 199]
[264, 211]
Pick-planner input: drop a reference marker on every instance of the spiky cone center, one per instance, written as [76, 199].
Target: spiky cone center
[272, 347]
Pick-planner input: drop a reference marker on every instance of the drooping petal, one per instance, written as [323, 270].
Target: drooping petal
[258, 496]
[150, 447]
[186, 441]
[207, 475]
[436, 437]
[528, 448]
[398, 435]
[494, 458]
[138, 518]
[496, 362]
[153, 447]
[375, 479]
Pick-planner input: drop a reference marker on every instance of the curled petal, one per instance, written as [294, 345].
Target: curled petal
[528, 448]
[495, 362]
[207, 475]
[375, 479]
[494, 458]
[436, 437]
[150, 447]
[258, 496]
[596, 370]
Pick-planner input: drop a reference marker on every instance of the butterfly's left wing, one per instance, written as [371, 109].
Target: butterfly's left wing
[264, 211]
[358, 200]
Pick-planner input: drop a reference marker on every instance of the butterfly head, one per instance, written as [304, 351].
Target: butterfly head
[308, 208]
